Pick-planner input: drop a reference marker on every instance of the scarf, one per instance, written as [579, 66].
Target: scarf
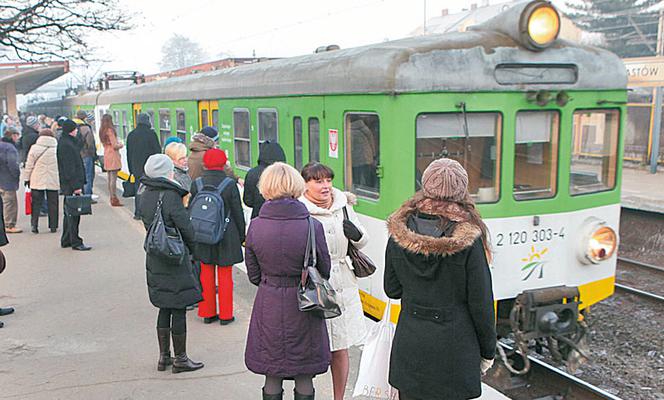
[322, 204]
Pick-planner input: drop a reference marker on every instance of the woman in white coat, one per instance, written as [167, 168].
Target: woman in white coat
[41, 176]
[326, 204]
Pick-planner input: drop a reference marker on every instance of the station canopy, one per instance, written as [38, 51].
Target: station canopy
[29, 76]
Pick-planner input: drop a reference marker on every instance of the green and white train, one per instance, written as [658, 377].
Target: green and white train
[536, 121]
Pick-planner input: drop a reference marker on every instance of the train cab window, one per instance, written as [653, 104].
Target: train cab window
[314, 139]
[475, 145]
[363, 154]
[594, 151]
[536, 154]
[125, 124]
[267, 126]
[242, 138]
[181, 125]
[215, 118]
[164, 125]
[297, 135]
[150, 114]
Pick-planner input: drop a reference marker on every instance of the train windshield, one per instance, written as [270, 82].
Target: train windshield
[477, 148]
[594, 151]
[536, 154]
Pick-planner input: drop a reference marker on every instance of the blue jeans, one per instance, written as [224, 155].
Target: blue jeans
[89, 165]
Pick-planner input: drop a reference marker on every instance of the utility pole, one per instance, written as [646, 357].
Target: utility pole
[657, 120]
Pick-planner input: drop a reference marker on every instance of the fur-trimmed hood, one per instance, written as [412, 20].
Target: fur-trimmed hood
[463, 236]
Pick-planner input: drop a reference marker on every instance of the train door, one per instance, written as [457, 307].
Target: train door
[307, 127]
[208, 113]
[136, 110]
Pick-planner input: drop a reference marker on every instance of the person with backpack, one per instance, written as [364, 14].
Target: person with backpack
[216, 198]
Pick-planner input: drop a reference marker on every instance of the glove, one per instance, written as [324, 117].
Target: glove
[485, 365]
[351, 232]
[26, 183]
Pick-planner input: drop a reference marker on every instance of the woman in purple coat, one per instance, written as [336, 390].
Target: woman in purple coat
[284, 342]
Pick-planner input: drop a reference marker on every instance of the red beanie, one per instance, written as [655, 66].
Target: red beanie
[215, 160]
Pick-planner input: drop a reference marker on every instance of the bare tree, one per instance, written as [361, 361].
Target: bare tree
[179, 52]
[38, 30]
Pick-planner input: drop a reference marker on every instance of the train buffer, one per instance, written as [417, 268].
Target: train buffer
[85, 329]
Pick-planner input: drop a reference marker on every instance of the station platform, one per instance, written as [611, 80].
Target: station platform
[642, 190]
[85, 329]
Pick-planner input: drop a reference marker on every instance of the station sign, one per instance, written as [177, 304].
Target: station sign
[645, 71]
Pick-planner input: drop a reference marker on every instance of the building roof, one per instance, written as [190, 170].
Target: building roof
[29, 76]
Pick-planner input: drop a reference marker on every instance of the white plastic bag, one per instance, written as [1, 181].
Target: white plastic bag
[372, 379]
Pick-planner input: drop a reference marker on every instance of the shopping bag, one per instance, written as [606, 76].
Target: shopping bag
[372, 379]
[28, 201]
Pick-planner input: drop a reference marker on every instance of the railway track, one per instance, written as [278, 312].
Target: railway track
[644, 267]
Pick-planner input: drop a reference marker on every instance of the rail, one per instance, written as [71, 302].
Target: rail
[640, 264]
[639, 292]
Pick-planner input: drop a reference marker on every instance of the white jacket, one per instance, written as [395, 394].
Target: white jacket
[349, 329]
[41, 167]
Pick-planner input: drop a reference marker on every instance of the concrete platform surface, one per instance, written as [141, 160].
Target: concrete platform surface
[85, 329]
[642, 190]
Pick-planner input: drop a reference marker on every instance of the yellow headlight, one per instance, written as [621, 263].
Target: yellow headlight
[602, 244]
[543, 25]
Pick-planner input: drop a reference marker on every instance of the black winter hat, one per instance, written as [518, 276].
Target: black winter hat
[210, 132]
[68, 126]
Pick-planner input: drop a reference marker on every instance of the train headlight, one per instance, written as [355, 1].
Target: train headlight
[542, 24]
[602, 244]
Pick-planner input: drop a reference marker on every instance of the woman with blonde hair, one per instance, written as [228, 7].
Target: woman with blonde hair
[178, 153]
[112, 160]
[284, 342]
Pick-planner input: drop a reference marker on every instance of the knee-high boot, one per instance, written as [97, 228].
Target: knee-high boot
[164, 338]
[304, 396]
[182, 363]
[279, 396]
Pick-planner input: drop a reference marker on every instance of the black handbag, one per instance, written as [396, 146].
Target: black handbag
[363, 266]
[314, 293]
[129, 188]
[77, 205]
[163, 241]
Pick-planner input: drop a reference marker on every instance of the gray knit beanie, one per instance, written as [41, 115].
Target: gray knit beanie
[445, 179]
[159, 166]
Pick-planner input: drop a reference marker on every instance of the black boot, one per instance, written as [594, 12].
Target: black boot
[303, 396]
[279, 396]
[182, 363]
[164, 338]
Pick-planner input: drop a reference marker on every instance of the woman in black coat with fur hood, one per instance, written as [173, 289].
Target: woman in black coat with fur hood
[171, 286]
[436, 263]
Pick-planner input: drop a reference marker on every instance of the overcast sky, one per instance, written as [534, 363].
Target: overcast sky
[268, 28]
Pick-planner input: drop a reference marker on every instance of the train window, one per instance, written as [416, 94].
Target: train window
[116, 121]
[536, 154]
[476, 145]
[594, 151]
[363, 154]
[125, 124]
[181, 127]
[297, 135]
[267, 126]
[164, 125]
[215, 118]
[242, 138]
[150, 114]
[314, 139]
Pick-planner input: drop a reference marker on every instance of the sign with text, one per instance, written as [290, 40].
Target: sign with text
[333, 138]
[645, 71]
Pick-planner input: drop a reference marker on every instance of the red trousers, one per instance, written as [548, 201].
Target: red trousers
[208, 307]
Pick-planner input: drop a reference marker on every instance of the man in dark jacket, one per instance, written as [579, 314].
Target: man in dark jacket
[220, 256]
[72, 180]
[29, 137]
[142, 142]
[268, 155]
[88, 149]
[9, 177]
[3, 242]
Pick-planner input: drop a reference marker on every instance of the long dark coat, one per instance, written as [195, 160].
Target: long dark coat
[229, 250]
[282, 340]
[9, 170]
[142, 142]
[29, 137]
[70, 164]
[447, 317]
[269, 154]
[169, 285]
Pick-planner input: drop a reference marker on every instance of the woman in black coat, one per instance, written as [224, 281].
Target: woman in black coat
[436, 263]
[220, 256]
[171, 286]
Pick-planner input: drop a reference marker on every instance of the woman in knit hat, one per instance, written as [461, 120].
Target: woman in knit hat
[436, 263]
[221, 256]
[172, 287]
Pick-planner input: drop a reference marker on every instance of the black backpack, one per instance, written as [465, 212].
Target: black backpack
[208, 213]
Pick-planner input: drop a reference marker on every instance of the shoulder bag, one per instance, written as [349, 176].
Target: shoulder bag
[314, 293]
[77, 205]
[129, 188]
[163, 241]
[362, 264]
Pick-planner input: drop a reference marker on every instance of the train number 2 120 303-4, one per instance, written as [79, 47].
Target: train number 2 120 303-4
[524, 237]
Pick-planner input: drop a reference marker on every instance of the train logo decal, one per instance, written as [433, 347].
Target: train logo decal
[534, 263]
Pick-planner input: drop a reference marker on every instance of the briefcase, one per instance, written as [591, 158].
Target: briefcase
[78, 205]
[129, 188]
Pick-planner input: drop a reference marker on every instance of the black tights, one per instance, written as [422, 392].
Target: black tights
[179, 324]
[303, 384]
